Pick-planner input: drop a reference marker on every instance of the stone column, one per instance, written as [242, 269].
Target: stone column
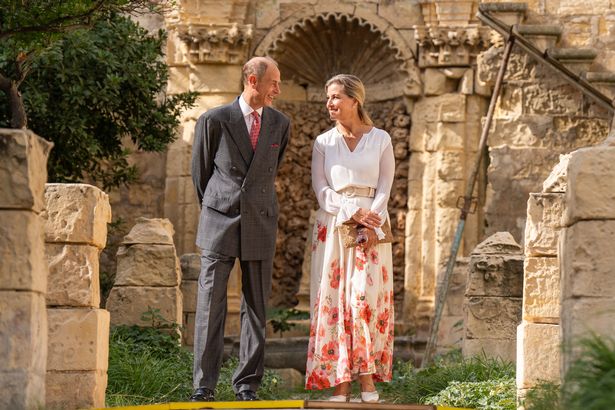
[492, 306]
[23, 269]
[75, 233]
[538, 336]
[148, 276]
[191, 268]
[587, 260]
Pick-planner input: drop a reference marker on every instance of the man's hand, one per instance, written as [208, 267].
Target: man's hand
[367, 218]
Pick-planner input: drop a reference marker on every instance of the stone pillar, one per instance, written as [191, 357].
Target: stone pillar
[492, 306]
[75, 233]
[538, 336]
[587, 260]
[451, 328]
[23, 270]
[191, 268]
[148, 276]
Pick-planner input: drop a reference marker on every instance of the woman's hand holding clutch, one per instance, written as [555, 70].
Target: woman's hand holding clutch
[367, 218]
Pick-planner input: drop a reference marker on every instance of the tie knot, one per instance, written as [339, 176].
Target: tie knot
[255, 115]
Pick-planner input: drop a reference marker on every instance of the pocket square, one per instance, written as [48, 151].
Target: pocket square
[275, 145]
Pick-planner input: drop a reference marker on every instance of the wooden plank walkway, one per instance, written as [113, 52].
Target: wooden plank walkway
[284, 405]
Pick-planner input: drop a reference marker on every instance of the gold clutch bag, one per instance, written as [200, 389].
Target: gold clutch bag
[351, 236]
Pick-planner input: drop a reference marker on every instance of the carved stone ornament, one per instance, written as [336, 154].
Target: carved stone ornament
[318, 47]
[215, 43]
[451, 46]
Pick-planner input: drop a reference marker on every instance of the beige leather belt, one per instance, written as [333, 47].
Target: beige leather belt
[358, 191]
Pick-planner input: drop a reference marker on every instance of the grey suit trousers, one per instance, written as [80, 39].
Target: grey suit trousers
[211, 316]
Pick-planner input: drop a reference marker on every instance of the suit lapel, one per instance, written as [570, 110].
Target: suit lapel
[239, 133]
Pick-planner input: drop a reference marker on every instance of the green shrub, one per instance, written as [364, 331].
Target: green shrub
[497, 394]
[412, 385]
[544, 396]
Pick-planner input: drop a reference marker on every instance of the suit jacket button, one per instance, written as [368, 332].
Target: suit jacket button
[270, 169]
[243, 189]
[262, 212]
[237, 210]
[263, 190]
[234, 168]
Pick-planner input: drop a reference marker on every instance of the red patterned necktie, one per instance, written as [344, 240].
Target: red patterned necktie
[255, 129]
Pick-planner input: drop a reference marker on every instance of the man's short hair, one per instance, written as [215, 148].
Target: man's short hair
[256, 66]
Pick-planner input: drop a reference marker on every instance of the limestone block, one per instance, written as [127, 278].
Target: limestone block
[150, 231]
[423, 136]
[437, 83]
[450, 331]
[497, 244]
[290, 379]
[179, 79]
[127, 304]
[448, 192]
[541, 291]
[492, 317]
[591, 183]
[557, 181]
[543, 225]
[587, 259]
[267, 13]
[538, 354]
[451, 136]
[180, 190]
[78, 339]
[505, 349]
[179, 156]
[216, 78]
[76, 389]
[73, 275]
[188, 330]
[77, 213]
[189, 289]
[147, 265]
[23, 170]
[495, 275]
[524, 131]
[23, 332]
[22, 251]
[547, 99]
[191, 266]
[402, 14]
[446, 108]
[450, 165]
[22, 389]
[568, 7]
[580, 318]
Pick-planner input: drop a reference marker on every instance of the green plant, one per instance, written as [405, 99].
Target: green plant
[543, 396]
[279, 319]
[410, 385]
[498, 394]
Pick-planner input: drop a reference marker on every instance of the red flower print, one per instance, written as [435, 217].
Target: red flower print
[322, 231]
[366, 313]
[317, 380]
[382, 324]
[374, 255]
[329, 352]
[370, 280]
[385, 274]
[335, 274]
[334, 316]
[360, 259]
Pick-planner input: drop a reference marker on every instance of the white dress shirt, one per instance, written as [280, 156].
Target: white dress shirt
[247, 113]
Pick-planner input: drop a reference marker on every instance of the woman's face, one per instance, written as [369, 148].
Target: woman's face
[340, 106]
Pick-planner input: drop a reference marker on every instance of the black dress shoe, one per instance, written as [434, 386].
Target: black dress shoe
[246, 395]
[202, 394]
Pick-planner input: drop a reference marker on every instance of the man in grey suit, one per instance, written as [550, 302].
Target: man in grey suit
[235, 158]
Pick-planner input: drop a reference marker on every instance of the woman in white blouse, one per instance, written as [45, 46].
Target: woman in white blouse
[351, 334]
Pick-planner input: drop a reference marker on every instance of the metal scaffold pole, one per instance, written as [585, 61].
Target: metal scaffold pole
[465, 208]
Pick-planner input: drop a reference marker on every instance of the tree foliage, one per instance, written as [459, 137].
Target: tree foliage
[93, 88]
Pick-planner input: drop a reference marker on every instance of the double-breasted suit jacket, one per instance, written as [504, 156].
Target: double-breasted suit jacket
[235, 184]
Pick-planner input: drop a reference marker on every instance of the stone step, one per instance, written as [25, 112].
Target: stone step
[578, 60]
[543, 36]
[603, 81]
[510, 13]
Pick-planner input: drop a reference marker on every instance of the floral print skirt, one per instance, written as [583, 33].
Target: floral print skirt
[351, 331]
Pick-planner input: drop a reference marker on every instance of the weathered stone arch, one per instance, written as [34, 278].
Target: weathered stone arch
[313, 46]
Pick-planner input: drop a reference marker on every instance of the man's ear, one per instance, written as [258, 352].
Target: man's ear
[252, 80]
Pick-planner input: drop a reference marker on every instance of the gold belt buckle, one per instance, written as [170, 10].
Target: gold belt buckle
[350, 191]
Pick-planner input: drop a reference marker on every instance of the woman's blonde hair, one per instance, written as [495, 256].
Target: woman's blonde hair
[354, 88]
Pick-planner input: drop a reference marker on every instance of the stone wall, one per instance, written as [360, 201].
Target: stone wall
[492, 305]
[538, 336]
[148, 277]
[75, 233]
[587, 260]
[23, 270]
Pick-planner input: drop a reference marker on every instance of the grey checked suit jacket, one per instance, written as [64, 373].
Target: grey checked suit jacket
[235, 184]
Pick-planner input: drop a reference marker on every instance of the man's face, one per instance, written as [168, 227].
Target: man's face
[267, 88]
